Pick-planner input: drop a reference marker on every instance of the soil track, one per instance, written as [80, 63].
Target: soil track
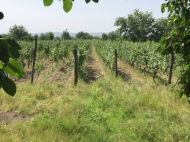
[94, 67]
[8, 117]
[127, 74]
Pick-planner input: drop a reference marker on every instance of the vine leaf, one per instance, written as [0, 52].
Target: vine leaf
[4, 55]
[9, 86]
[163, 8]
[14, 68]
[14, 53]
[87, 1]
[12, 43]
[1, 15]
[47, 2]
[67, 5]
[96, 1]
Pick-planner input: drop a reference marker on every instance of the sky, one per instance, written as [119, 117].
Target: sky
[92, 17]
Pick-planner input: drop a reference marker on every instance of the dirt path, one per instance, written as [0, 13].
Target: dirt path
[131, 76]
[128, 74]
[8, 117]
[94, 67]
[62, 73]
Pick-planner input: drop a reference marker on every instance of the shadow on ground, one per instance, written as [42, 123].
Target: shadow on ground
[124, 76]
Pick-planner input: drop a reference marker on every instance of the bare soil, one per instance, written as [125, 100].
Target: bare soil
[9, 117]
[94, 67]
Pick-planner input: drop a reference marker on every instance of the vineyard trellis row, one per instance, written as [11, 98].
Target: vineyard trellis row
[142, 55]
[55, 51]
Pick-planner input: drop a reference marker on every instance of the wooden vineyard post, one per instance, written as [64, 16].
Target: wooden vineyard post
[34, 59]
[76, 67]
[116, 73]
[171, 68]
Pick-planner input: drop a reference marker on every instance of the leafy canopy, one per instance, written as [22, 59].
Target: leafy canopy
[178, 40]
[65, 35]
[9, 52]
[141, 26]
[67, 4]
[18, 32]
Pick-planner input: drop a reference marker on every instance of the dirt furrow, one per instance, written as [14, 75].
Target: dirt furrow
[94, 67]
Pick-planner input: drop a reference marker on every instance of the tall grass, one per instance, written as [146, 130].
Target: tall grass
[101, 111]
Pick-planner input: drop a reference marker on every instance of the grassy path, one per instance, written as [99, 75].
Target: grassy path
[94, 67]
[109, 109]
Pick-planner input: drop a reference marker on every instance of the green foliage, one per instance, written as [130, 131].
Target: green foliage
[28, 37]
[104, 110]
[67, 4]
[104, 36]
[113, 35]
[8, 86]
[65, 35]
[106, 52]
[38, 67]
[47, 2]
[18, 32]
[9, 51]
[142, 55]
[83, 35]
[14, 68]
[141, 26]
[177, 41]
[160, 28]
[82, 49]
[1, 15]
[47, 36]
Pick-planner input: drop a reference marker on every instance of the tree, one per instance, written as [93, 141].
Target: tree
[178, 40]
[17, 32]
[104, 36]
[96, 37]
[67, 4]
[113, 35]
[121, 22]
[160, 28]
[28, 37]
[49, 36]
[65, 35]
[57, 38]
[42, 36]
[137, 26]
[83, 35]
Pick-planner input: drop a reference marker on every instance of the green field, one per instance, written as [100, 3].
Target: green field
[100, 108]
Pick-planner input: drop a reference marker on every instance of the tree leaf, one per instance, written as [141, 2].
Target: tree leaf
[14, 68]
[1, 65]
[1, 15]
[4, 43]
[4, 55]
[163, 7]
[96, 1]
[14, 53]
[13, 44]
[67, 5]
[47, 2]
[9, 86]
[2, 76]
[87, 1]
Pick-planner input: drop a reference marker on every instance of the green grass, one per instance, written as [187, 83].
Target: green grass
[101, 111]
